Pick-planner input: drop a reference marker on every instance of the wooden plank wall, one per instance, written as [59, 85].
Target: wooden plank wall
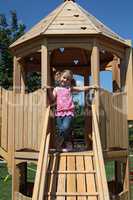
[28, 120]
[113, 120]
[28, 110]
[4, 125]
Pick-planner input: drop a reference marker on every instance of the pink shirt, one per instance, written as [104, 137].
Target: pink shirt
[65, 105]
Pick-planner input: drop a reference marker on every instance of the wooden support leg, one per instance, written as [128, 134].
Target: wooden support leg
[126, 177]
[23, 178]
[15, 181]
[118, 176]
[19, 179]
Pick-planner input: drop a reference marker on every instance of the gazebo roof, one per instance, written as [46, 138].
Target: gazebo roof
[69, 19]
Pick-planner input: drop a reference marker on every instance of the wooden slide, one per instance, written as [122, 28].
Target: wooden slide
[71, 175]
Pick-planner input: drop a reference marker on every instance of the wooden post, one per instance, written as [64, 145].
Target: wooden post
[129, 80]
[19, 173]
[118, 175]
[116, 74]
[88, 118]
[22, 76]
[126, 177]
[45, 68]
[15, 180]
[18, 76]
[95, 68]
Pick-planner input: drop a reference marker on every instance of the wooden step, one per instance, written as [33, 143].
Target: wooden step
[80, 153]
[71, 176]
[85, 194]
[71, 172]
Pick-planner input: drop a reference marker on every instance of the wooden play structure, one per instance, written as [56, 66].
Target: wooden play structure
[68, 38]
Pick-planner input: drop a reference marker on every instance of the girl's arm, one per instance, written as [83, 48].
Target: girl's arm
[83, 88]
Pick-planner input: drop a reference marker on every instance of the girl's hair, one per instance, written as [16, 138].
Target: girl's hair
[68, 74]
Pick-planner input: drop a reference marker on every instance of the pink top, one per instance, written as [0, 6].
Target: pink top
[65, 105]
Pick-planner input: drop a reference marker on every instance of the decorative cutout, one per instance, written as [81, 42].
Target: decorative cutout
[76, 62]
[61, 49]
[83, 27]
[76, 15]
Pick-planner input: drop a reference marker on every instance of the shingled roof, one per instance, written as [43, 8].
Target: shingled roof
[68, 18]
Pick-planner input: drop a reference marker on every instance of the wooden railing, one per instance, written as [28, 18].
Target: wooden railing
[99, 161]
[39, 185]
[6, 125]
[113, 120]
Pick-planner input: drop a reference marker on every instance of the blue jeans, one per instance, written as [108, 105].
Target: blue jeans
[64, 125]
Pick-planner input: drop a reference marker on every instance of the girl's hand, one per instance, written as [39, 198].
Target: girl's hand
[96, 87]
[46, 87]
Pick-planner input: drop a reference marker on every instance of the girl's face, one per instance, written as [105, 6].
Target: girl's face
[65, 80]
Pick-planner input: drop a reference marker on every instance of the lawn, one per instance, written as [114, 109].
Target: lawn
[5, 183]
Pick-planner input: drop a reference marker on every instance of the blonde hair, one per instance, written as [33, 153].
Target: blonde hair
[68, 74]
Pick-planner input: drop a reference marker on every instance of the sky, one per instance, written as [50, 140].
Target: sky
[116, 14]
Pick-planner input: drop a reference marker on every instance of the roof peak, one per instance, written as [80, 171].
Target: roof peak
[69, 0]
[69, 18]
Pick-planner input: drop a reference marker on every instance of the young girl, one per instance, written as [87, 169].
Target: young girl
[64, 113]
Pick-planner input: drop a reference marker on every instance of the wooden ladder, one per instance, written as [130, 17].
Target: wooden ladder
[71, 176]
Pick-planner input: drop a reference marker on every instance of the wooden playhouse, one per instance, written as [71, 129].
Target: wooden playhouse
[68, 38]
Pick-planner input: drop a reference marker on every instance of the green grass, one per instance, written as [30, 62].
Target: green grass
[5, 183]
[31, 172]
[6, 180]
[109, 167]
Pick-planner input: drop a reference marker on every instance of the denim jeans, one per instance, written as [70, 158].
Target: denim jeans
[64, 125]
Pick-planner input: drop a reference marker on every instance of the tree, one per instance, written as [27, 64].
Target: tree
[9, 32]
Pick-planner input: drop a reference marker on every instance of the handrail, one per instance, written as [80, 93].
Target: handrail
[40, 178]
[99, 161]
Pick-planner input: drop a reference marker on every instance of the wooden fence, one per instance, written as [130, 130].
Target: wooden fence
[29, 112]
[113, 120]
[21, 118]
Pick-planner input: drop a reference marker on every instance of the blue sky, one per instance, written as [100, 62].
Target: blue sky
[116, 14]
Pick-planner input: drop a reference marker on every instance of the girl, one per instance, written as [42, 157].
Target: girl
[64, 113]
